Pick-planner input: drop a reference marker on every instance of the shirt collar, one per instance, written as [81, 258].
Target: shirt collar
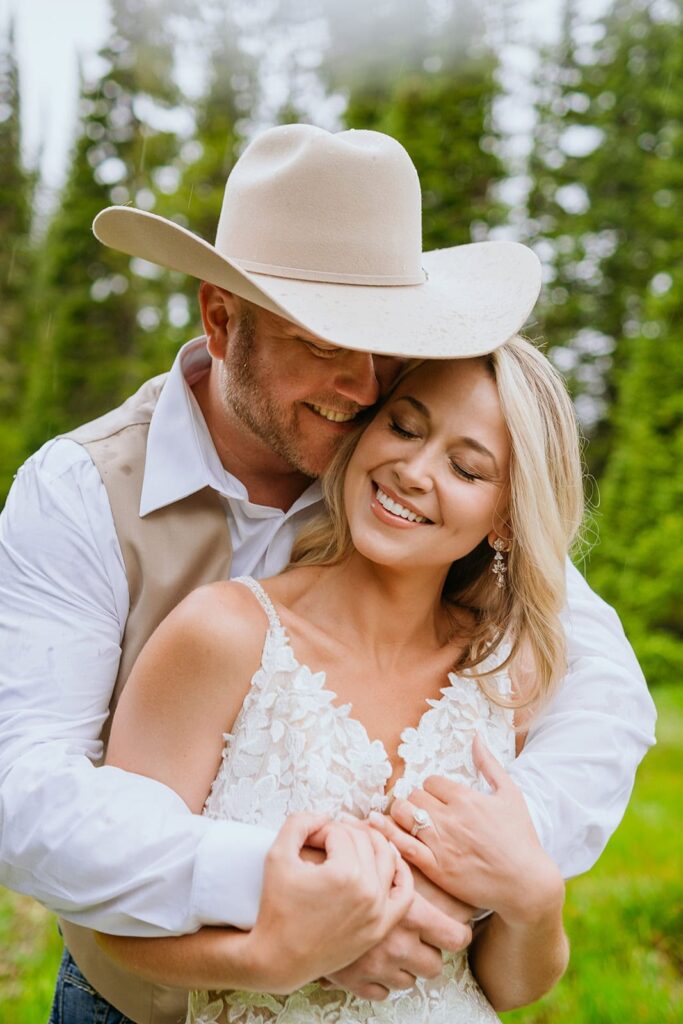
[181, 458]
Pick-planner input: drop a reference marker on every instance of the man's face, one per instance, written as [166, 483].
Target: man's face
[297, 394]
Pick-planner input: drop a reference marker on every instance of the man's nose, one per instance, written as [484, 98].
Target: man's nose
[356, 378]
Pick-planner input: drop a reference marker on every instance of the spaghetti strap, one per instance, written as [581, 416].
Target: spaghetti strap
[262, 598]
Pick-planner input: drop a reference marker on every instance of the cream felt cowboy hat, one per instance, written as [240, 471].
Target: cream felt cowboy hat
[325, 230]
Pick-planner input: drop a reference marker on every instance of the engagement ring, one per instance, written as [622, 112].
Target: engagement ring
[422, 820]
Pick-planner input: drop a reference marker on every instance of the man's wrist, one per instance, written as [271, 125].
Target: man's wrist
[259, 965]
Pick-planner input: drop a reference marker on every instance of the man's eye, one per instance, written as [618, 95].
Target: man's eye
[321, 353]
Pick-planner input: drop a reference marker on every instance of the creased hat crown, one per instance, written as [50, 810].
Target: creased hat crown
[305, 204]
[324, 229]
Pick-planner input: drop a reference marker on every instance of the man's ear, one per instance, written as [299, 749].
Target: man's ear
[217, 307]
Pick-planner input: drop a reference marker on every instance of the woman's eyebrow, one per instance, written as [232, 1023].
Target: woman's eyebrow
[420, 406]
[471, 442]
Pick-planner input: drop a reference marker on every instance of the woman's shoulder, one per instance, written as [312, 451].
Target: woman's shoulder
[218, 620]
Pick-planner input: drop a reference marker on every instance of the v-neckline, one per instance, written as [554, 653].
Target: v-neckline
[277, 631]
[279, 634]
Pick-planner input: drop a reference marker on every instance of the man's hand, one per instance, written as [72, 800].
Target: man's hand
[317, 918]
[481, 847]
[412, 949]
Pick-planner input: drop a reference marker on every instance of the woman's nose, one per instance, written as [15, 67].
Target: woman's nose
[415, 472]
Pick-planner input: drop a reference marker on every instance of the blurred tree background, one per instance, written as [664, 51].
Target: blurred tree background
[595, 189]
[592, 180]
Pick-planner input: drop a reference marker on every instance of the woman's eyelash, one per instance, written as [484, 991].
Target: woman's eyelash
[398, 429]
[471, 477]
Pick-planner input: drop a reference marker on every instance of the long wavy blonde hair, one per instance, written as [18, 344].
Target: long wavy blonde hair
[543, 517]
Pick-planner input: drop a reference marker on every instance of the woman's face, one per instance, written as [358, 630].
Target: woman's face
[428, 480]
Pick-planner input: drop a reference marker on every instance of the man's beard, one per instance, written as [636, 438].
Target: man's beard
[247, 398]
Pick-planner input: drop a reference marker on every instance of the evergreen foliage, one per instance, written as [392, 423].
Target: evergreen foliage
[201, 166]
[91, 346]
[639, 564]
[16, 263]
[607, 174]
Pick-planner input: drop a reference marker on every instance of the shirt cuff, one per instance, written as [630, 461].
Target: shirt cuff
[229, 874]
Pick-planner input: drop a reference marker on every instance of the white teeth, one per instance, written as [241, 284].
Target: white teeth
[398, 510]
[335, 417]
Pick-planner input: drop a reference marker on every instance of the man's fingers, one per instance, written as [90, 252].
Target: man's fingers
[340, 844]
[488, 765]
[365, 852]
[297, 830]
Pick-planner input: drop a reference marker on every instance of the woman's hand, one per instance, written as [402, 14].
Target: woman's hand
[317, 918]
[480, 847]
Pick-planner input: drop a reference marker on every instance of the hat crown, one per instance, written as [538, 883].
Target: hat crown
[304, 203]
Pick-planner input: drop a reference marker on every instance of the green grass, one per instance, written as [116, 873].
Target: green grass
[624, 919]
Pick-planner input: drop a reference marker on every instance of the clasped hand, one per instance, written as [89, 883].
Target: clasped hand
[354, 917]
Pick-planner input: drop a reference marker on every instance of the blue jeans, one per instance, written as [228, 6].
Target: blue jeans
[77, 1002]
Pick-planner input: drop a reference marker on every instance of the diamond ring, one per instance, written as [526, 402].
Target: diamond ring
[421, 820]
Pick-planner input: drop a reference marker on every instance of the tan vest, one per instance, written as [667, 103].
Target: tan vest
[167, 554]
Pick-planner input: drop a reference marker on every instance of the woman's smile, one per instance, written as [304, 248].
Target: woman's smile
[390, 509]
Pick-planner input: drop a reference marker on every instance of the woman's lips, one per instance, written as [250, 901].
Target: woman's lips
[387, 508]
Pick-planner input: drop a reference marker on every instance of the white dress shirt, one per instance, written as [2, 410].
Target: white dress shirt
[122, 853]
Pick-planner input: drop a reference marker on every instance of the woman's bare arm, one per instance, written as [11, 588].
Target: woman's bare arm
[518, 959]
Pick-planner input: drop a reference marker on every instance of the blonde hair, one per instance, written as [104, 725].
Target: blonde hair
[543, 516]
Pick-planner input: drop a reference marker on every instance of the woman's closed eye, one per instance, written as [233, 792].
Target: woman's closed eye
[402, 431]
[462, 472]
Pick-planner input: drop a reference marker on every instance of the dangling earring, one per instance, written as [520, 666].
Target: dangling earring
[499, 567]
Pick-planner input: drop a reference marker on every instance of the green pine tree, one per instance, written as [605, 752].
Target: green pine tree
[639, 563]
[93, 311]
[16, 264]
[606, 200]
[201, 168]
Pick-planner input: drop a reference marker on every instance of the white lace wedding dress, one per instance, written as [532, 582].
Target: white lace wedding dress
[292, 749]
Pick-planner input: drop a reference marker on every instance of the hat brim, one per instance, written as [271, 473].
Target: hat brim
[474, 297]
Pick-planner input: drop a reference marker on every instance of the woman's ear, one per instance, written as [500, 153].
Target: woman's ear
[217, 306]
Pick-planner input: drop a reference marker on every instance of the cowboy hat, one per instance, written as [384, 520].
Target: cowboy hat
[325, 230]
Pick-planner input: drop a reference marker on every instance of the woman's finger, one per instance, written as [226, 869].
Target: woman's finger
[386, 859]
[410, 848]
[401, 895]
[488, 765]
[443, 789]
[408, 814]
